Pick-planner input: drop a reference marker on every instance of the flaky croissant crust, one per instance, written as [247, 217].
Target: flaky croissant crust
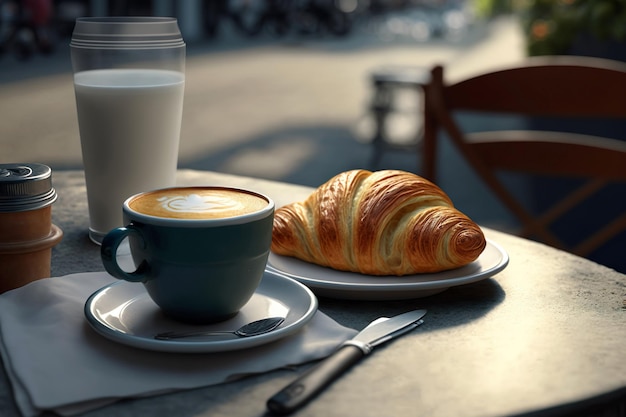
[378, 223]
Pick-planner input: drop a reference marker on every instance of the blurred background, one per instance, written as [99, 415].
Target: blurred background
[275, 89]
[283, 90]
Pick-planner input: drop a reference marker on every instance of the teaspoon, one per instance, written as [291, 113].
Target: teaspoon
[254, 328]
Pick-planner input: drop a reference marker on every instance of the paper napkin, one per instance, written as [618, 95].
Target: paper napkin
[56, 362]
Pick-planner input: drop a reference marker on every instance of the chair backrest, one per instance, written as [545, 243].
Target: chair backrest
[574, 87]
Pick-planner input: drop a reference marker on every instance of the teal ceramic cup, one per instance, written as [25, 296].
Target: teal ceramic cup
[200, 252]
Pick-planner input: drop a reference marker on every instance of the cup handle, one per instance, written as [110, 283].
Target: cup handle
[108, 253]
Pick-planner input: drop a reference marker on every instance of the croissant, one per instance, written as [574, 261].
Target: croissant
[378, 223]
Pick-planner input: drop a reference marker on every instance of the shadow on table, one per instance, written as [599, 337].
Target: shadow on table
[299, 154]
[454, 307]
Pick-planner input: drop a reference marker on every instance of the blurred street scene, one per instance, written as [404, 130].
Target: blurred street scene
[28, 27]
[274, 89]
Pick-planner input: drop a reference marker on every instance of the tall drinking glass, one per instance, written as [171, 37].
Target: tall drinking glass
[129, 78]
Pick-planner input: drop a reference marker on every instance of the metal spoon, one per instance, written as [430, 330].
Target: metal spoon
[254, 328]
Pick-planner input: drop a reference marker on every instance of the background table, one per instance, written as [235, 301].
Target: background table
[545, 337]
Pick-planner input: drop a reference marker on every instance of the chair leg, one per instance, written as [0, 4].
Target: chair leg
[429, 145]
[381, 107]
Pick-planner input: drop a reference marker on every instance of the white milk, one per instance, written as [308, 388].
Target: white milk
[129, 122]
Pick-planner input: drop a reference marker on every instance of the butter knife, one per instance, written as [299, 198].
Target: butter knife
[313, 381]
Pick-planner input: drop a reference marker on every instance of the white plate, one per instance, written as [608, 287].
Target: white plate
[125, 313]
[332, 283]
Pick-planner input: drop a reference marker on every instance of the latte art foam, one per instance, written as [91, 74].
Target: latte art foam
[197, 203]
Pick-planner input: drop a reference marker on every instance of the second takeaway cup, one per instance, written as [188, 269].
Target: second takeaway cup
[129, 78]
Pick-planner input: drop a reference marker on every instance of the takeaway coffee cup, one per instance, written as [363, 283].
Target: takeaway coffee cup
[27, 234]
[200, 252]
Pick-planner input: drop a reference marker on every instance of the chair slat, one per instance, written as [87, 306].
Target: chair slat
[575, 87]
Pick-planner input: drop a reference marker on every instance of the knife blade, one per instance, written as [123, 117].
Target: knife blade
[313, 381]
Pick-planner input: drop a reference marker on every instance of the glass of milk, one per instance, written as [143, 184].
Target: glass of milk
[129, 79]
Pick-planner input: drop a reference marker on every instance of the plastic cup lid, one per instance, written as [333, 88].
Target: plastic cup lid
[126, 32]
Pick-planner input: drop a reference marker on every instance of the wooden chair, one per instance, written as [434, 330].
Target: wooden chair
[564, 87]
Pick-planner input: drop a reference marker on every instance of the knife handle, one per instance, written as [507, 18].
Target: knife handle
[313, 381]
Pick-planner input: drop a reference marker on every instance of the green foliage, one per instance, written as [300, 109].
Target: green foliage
[489, 8]
[552, 25]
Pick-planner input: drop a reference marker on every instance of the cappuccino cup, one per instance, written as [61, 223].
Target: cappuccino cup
[200, 252]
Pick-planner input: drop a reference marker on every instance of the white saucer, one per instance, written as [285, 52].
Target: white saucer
[123, 312]
[332, 283]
